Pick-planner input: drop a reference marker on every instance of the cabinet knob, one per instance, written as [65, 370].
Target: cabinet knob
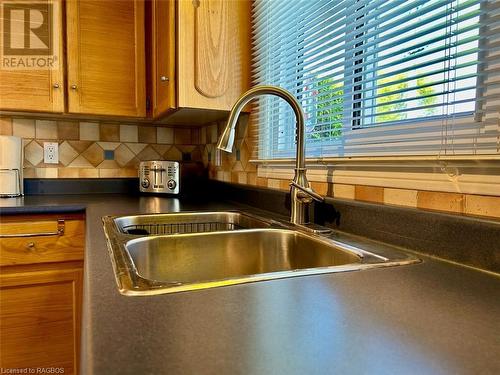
[30, 245]
[164, 79]
[74, 87]
[55, 85]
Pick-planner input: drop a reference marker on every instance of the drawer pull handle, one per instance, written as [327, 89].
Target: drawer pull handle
[30, 245]
[59, 232]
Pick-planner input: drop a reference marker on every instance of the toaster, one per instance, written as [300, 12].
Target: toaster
[159, 176]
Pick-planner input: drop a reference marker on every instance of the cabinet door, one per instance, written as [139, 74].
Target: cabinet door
[22, 88]
[105, 51]
[213, 53]
[40, 318]
[163, 80]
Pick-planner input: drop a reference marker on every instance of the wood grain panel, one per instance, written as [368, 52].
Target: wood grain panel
[40, 319]
[33, 90]
[163, 56]
[18, 250]
[212, 47]
[105, 49]
[213, 61]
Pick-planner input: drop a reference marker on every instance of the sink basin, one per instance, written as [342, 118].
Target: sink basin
[167, 253]
[188, 222]
[224, 255]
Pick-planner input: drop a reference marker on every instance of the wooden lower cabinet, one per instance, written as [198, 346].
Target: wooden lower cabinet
[40, 309]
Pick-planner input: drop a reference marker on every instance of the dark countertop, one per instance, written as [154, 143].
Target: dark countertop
[432, 318]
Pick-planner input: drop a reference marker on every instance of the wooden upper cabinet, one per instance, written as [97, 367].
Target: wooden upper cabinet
[200, 53]
[25, 89]
[214, 52]
[163, 80]
[105, 52]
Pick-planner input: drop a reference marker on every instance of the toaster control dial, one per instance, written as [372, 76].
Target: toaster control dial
[171, 184]
[145, 183]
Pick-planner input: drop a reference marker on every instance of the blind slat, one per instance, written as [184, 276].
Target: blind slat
[376, 77]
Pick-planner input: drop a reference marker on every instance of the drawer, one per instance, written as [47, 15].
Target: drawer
[41, 240]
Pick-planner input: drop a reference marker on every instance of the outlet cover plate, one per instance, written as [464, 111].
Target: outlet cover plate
[50, 152]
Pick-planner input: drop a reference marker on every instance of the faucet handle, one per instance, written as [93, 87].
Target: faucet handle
[308, 191]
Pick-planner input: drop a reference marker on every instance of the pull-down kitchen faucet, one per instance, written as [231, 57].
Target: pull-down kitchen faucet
[301, 192]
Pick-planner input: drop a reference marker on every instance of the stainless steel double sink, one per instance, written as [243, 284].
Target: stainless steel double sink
[174, 252]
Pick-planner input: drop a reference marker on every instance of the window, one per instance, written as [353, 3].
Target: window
[379, 77]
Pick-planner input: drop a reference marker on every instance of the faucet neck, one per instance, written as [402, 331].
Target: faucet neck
[227, 139]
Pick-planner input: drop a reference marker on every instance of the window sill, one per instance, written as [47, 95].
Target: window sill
[477, 174]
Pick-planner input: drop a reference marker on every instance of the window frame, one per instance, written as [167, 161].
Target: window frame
[355, 123]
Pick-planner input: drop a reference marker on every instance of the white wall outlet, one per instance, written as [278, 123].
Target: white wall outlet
[51, 152]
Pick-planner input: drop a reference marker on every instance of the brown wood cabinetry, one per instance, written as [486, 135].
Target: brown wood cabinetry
[104, 62]
[207, 64]
[41, 282]
[105, 52]
[40, 89]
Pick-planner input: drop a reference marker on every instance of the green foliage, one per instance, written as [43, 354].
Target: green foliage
[391, 95]
[329, 110]
[391, 98]
[425, 98]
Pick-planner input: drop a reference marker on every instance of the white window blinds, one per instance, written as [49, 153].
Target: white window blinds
[379, 77]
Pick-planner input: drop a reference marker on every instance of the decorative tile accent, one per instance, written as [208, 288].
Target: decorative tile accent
[68, 173]
[5, 126]
[147, 134]
[89, 131]
[182, 136]
[45, 129]
[148, 154]
[203, 135]
[262, 181]
[94, 154]
[195, 136]
[369, 193]
[252, 178]
[451, 202]
[165, 135]
[161, 149]
[66, 153]
[109, 155]
[173, 154]
[343, 191]
[212, 133]
[80, 146]
[46, 172]
[284, 185]
[320, 187]
[133, 163]
[29, 172]
[109, 132]
[128, 133]
[33, 152]
[108, 164]
[23, 127]
[273, 183]
[400, 197]
[81, 162]
[196, 154]
[136, 147]
[109, 145]
[88, 173]
[482, 205]
[123, 155]
[68, 130]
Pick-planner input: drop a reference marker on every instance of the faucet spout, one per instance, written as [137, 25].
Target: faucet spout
[300, 190]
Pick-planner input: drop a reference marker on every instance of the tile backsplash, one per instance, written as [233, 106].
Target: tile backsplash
[237, 168]
[99, 149]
